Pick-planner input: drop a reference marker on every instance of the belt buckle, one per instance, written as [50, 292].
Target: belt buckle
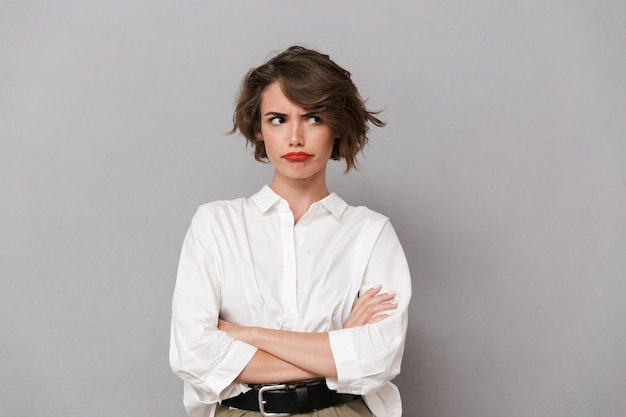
[262, 402]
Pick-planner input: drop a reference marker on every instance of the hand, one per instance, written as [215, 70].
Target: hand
[369, 307]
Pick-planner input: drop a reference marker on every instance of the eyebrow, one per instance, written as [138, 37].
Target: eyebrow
[275, 113]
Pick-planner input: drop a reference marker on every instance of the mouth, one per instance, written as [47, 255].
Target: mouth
[297, 156]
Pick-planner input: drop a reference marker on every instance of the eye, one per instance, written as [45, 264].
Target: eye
[276, 120]
[314, 120]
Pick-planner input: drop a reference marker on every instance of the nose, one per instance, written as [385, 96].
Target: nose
[297, 137]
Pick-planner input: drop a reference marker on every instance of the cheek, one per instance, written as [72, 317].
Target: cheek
[329, 142]
[329, 147]
[271, 149]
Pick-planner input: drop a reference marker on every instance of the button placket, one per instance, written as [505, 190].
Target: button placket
[289, 294]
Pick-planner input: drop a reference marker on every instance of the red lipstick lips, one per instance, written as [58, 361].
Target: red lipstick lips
[297, 156]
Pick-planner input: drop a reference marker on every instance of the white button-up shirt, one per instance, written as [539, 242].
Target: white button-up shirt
[245, 261]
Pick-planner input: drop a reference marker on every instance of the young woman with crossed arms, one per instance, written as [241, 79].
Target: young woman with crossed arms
[292, 302]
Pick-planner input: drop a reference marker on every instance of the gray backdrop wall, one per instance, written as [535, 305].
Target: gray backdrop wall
[503, 168]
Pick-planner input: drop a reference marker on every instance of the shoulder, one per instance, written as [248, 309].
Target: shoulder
[347, 212]
[216, 212]
[365, 213]
[364, 218]
[221, 206]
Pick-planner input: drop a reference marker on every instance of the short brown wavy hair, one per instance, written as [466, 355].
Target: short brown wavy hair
[313, 81]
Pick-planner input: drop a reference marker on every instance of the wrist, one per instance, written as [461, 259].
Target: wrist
[243, 333]
[250, 335]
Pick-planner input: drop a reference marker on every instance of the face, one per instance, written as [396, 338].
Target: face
[298, 143]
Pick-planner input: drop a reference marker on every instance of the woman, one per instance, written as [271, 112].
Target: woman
[292, 301]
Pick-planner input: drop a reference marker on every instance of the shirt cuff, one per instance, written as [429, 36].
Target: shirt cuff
[221, 377]
[346, 360]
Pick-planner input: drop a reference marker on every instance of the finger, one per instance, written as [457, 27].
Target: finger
[371, 295]
[374, 295]
[369, 304]
[371, 292]
[382, 297]
[366, 303]
[368, 312]
[364, 309]
[378, 318]
[372, 310]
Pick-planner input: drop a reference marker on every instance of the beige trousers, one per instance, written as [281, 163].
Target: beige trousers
[356, 408]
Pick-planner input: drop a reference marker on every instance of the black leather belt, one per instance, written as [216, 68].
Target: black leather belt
[284, 399]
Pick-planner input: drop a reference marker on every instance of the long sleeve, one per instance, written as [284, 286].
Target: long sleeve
[207, 359]
[245, 261]
[368, 357]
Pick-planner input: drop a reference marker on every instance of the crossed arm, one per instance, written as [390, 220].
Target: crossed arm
[291, 356]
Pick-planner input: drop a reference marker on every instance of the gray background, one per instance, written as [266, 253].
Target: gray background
[503, 168]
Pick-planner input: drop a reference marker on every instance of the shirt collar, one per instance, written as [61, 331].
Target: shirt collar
[266, 198]
[334, 204]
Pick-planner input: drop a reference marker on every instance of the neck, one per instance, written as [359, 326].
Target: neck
[300, 194]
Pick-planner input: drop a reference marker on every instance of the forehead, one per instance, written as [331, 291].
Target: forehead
[274, 99]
